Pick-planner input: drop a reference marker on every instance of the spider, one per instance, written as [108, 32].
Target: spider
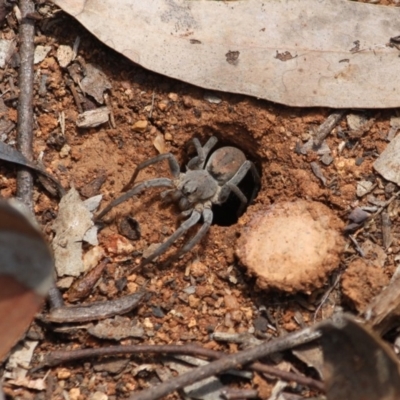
[208, 180]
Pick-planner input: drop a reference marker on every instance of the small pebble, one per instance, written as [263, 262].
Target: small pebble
[173, 96]
[168, 137]
[140, 126]
[212, 98]
[358, 215]
[65, 150]
[364, 187]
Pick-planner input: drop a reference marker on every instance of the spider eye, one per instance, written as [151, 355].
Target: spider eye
[189, 188]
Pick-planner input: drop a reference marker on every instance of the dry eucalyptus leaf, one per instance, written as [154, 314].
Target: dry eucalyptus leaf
[95, 83]
[357, 363]
[301, 52]
[72, 223]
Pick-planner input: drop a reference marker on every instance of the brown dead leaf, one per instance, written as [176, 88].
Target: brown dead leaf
[301, 52]
[357, 363]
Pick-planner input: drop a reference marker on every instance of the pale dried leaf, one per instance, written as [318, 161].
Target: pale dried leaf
[300, 52]
[388, 162]
[95, 82]
[72, 222]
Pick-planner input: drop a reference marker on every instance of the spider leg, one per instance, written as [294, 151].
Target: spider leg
[151, 183]
[202, 153]
[207, 218]
[172, 162]
[231, 185]
[184, 227]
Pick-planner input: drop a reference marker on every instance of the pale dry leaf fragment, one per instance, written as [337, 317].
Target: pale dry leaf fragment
[22, 355]
[93, 118]
[7, 49]
[72, 222]
[40, 53]
[35, 384]
[268, 49]
[159, 143]
[388, 162]
[95, 82]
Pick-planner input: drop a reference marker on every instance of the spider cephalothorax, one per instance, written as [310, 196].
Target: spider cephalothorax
[207, 181]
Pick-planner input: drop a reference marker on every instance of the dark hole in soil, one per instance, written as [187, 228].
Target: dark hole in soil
[226, 214]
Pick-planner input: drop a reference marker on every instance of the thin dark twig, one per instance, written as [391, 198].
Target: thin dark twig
[58, 357]
[223, 363]
[228, 362]
[25, 103]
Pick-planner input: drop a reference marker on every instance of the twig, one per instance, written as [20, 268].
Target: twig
[326, 295]
[228, 362]
[58, 357]
[25, 106]
[325, 129]
[234, 394]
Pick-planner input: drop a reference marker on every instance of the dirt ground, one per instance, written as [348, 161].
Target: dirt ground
[208, 290]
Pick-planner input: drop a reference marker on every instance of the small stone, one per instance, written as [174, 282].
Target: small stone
[65, 283]
[162, 105]
[192, 323]
[63, 373]
[40, 53]
[212, 98]
[292, 246]
[147, 324]
[231, 302]
[364, 187]
[326, 159]
[65, 150]
[65, 54]
[193, 301]
[74, 394]
[388, 162]
[119, 245]
[140, 126]
[168, 137]
[198, 269]
[173, 96]
[98, 396]
[358, 215]
[355, 121]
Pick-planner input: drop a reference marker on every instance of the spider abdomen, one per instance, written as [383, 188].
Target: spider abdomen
[224, 163]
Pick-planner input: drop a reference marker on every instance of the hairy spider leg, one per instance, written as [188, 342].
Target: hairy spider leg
[172, 162]
[183, 228]
[231, 185]
[198, 161]
[207, 221]
[151, 183]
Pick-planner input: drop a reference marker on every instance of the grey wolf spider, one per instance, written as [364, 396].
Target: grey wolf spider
[207, 181]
